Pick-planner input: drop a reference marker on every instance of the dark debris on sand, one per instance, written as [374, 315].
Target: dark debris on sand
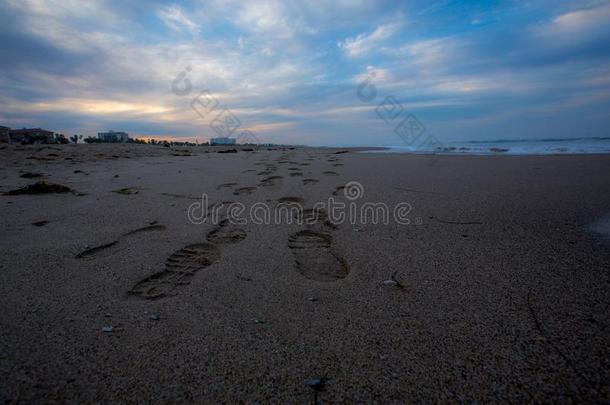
[40, 187]
[30, 175]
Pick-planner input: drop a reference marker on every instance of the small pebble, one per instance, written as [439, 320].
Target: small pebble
[107, 329]
[316, 384]
[312, 299]
[389, 282]
[155, 317]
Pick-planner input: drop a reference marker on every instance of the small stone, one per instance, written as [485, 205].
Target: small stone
[317, 384]
[312, 299]
[390, 282]
[155, 317]
[258, 320]
[107, 329]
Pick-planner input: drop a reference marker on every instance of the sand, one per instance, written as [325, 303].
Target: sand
[497, 289]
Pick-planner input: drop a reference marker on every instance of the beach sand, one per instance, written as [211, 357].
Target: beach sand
[496, 290]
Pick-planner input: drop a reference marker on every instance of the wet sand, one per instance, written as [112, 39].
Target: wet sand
[496, 290]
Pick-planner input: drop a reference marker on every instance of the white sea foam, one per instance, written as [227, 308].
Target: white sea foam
[511, 147]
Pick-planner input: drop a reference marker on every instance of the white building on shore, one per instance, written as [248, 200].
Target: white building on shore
[112, 136]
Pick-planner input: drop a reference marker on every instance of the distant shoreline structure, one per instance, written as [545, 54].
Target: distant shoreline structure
[541, 146]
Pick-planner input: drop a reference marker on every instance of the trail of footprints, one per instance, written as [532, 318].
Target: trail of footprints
[313, 248]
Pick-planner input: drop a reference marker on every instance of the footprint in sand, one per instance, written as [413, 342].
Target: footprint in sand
[152, 227]
[310, 181]
[244, 190]
[293, 200]
[339, 190]
[226, 233]
[315, 257]
[225, 185]
[96, 249]
[269, 168]
[180, 267]
[270, 181]
[267, 171]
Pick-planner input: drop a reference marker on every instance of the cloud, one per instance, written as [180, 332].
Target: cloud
[364, 43]
[578, 33]
[64, 8]
[584, 21]
[268, 17]
[174, 18]
[432, 55]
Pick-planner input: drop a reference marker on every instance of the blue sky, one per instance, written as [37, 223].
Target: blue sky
[290, 71]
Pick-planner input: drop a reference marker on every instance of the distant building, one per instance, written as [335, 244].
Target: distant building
[5, 134]
[222, 141]
[31, 135]
[112, 136]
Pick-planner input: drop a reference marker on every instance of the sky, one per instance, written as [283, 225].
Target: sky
[341, 72]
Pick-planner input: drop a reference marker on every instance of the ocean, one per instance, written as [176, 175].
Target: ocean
[548, 146]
